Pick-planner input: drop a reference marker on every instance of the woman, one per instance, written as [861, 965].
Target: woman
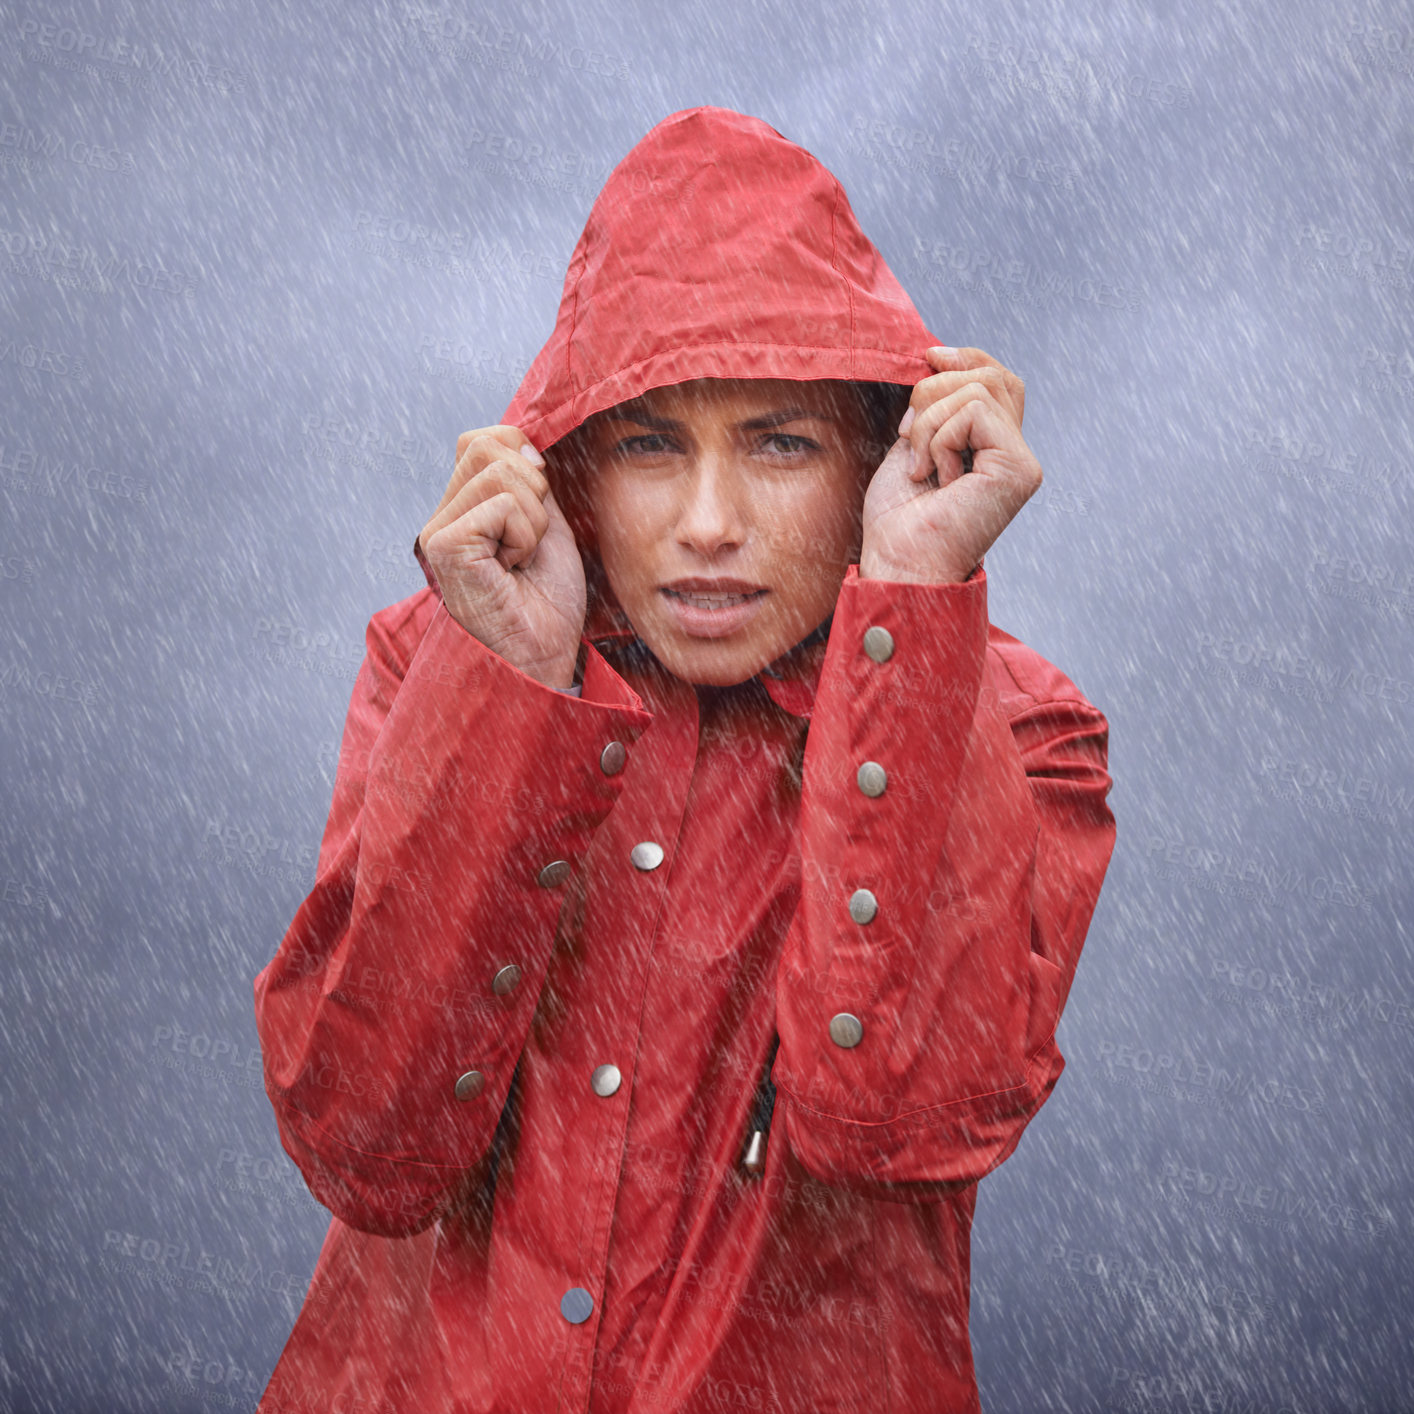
[705, 876]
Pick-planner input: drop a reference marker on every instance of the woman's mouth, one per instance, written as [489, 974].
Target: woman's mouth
[710, 613]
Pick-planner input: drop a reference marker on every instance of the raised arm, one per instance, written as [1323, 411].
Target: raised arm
[951, 860]
[952, 851]
[392, 1016]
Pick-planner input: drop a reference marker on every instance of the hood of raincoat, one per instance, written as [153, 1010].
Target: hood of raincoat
[717, 249]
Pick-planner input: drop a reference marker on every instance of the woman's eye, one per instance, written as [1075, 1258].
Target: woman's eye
[649, 444]
[789, 445]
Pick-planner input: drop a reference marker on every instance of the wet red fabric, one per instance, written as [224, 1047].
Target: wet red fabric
[542, 1245]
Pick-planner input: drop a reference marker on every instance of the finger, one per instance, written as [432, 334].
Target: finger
[497, 528]
[529, 511]
[928, 390]
[510, 436]
[930, 419]
[1013, 476]
[943, 357]
[519, 537]
[474, 535]
[484, 450]
[506, 473]
[485, 444]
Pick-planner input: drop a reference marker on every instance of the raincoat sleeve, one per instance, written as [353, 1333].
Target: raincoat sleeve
[460, 778]
[981, 862]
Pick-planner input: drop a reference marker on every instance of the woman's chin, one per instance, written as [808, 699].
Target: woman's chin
[708, 662]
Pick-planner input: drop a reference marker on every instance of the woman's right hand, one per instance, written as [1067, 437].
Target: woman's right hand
[505, 558]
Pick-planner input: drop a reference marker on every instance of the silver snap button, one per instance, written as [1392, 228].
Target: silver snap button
[553, 875]
[863, 906]
[506, 980]
[612, 758]
[605, 1080]
[470, 1085]
[878, 643]
[872, 778]
[576, 1305]
[846, 1029]
[647, 855]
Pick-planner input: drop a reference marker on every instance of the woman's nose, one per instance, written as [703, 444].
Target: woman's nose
[713, 514]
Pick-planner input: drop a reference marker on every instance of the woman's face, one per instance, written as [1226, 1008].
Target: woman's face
[726, 512]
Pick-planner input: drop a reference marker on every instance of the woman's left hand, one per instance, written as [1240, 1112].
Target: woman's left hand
[927, 519]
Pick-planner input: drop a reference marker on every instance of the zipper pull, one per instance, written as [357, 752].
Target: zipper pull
[753, 1159]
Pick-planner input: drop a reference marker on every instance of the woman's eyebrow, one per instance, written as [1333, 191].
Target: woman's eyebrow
[755, 424]
[775, 419]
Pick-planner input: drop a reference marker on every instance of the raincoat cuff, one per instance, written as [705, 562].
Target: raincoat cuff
[426, 568]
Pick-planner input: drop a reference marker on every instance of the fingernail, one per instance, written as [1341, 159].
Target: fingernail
[943, 349]
[906, 423]
[531, 455]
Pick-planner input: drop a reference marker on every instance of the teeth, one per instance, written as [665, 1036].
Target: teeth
[711, 601]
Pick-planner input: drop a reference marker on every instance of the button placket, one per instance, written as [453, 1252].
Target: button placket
[626, 861]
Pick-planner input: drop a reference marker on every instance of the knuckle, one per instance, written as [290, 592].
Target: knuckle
[485, 446]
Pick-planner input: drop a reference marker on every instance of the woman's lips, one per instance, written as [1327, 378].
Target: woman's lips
[711, 615]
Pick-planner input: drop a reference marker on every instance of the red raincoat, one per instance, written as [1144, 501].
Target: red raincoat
[520, 1057]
